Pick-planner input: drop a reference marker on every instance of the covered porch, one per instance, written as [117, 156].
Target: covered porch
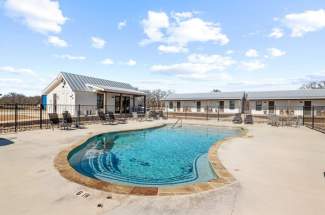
[119, 100]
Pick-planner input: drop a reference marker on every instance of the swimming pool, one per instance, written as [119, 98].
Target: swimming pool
[154, 157]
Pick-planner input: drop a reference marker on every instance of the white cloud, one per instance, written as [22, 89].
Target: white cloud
[39, 15]
[302, 23]
[57, 41]
[18, 71]
[172, 49]
[131, 62]
[251, 53]
[179, 30]
[155, 22]
[196, 66]
[274, 52]
[252, 65]
[70, 57]
[121, 25]
[276, 33]
[107, 61]
[229, 52]
[98, 42]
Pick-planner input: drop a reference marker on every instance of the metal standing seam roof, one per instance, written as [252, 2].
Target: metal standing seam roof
[287, 94]
[205, 96]
[80, 82]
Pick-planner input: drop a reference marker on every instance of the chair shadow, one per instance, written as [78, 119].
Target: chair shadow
[4, 142]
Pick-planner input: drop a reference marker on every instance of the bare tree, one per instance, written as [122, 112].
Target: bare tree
[216, 91]
[12, 98]
[154, 97]
[314, 85]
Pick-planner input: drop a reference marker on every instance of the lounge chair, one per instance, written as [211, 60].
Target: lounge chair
[148, 116]
[161, 115]
[54, 120]
[114, 119]
[248, 119]
[237, 119]
[136, 117]
[67, 120]
[103, 118]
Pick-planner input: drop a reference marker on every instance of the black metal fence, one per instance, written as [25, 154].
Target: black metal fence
[19, 117]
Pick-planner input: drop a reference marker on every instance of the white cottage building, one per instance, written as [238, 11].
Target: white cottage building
[258, 103]
[74, 92]
[224, 102]
[286, 102]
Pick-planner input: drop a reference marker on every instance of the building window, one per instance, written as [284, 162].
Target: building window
[231, 104]
[100, 101]
[171, 105]
[258, 105]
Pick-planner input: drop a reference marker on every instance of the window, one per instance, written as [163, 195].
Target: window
[198, 106]
[171, 105]
[100, 101]
[258, 105]
[231, 104]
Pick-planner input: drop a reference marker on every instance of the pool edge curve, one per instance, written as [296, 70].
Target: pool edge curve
[61, 163]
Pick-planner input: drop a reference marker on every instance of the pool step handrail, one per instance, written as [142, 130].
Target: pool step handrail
[179, 120]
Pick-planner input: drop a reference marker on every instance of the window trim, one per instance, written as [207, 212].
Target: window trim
[258, 107]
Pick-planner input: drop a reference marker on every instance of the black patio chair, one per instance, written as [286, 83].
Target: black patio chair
[104, 119]
[161, 115]
[113, 119]
[248, 119]
[237, 119]
[54, 120]
[67, 120]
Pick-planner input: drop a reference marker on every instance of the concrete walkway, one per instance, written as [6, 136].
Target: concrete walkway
[280, 171]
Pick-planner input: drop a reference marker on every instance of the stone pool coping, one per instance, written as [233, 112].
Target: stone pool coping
[224, 178]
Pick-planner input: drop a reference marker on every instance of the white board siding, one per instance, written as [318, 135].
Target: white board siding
[191, 106]
[65, 99]
[294, 107]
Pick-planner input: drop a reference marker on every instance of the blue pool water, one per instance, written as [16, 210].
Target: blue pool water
[152, 157]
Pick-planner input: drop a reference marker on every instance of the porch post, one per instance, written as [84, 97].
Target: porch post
[120, 103]
[145, 103]
[133, 107]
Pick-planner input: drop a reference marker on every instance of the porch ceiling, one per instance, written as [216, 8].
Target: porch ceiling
[115, 90]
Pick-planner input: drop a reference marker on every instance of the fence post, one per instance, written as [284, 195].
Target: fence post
[218, 114]
[303, 115]
[167, 111]
[313, 117]
[185, 112]
[41, 116]
[16, 117]
[78, 116]
[207, 112]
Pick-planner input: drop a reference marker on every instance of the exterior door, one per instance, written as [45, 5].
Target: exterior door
[198, 106]
[221, 106]
[307, 108]
[271, 107]
[100, 101]
[54, 103]
[178, 106]
[117, 104]
[125, 104]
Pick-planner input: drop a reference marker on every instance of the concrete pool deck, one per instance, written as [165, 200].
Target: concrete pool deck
[280, 171]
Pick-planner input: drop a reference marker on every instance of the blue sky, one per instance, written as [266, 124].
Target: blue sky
[186, 46]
